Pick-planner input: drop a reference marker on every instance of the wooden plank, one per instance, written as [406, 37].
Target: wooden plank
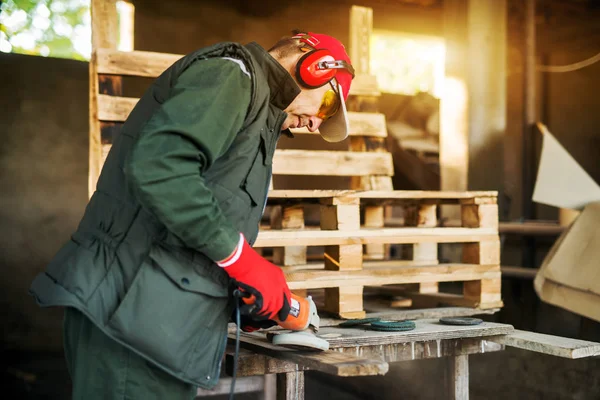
[519, 272]
[454, 104]
[365, 85]
[425, 330]
[422, 350]
[361, 28]
[380, 194]
[104, 21]
[116, 108]
[534, 228]
[327, 361]
[306, 237]
[151, 64]
[96, 150]
[360, 124]
[290, 386]
[549, 344]
[105, 24]
[251, 363]
[331, 163]
[425, 313]
[254, 363]
[328, 163]
[134, 63]
[248, 384]
[458, 377]
[312, 279]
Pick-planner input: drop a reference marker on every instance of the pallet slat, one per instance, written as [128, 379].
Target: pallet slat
[306, 237]
[331, 163]
[378, 195]
[313, 279]
[151, 64]
[116, 109]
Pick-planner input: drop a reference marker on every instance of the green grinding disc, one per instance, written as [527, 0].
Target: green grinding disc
[356, 322]
[393, 326]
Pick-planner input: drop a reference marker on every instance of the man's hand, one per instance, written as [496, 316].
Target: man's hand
[257, 276]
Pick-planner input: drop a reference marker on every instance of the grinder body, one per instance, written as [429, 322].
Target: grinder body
[303, 314]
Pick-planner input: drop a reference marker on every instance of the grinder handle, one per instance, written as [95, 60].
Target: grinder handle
[299, 317]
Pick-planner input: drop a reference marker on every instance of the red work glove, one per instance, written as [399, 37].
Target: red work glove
[256, 276]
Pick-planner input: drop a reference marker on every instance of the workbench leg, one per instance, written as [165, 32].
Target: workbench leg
[270, 392]
[290, 386]
[458, 377]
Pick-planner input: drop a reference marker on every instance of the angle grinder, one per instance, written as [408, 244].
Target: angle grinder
[302, 320]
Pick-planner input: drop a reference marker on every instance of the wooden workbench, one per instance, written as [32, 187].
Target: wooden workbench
[363, 352]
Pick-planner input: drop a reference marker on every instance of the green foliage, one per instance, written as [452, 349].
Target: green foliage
[56, 28]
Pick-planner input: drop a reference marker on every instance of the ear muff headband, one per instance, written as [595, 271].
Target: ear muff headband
[308, 72]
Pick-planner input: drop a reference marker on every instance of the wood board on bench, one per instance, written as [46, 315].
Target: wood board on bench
[341, 361]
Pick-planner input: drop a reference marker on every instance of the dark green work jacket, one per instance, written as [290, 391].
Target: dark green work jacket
[188, 172]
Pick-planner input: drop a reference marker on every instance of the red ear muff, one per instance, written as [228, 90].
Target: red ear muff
[308, 72]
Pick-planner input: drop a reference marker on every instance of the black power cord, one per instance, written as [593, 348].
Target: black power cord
[237, 294]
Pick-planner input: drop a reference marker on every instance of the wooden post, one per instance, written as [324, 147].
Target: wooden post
[290, 386]
[361, 27]
[474, 215]
[454, 103]
[458, 377]
[270, 391]
[105, 34]
[528, 156]
[288, 217]
[343, 215]
[423, 215]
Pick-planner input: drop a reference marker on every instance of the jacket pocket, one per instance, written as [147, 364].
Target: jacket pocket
[172, 312]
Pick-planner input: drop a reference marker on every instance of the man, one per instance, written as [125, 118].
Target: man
[147, 278]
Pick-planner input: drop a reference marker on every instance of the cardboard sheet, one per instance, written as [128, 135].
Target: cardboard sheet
[561, 182]
[570, 274]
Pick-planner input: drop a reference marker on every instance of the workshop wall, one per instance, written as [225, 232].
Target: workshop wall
[43, 184]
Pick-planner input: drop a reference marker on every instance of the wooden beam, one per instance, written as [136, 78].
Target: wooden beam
[458, 377]
[331, 163]
[549, 344]
[361, 27]
[381, 195]
[425, 330]
[134, 63]
[290, 386]
[307, 237]
[244, 384]
[114, 108]
[313, 279]
[105, 33]
[151, 64]
[251, 363]
[326, 361]
[454, 102]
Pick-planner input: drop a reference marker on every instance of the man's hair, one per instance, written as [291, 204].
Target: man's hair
[287, 46]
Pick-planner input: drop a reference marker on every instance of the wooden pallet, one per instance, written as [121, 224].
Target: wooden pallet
[346, 267]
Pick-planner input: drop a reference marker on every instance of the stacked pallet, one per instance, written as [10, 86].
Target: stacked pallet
[347, 267]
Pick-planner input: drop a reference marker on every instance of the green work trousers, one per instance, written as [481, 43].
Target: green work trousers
[101, 368]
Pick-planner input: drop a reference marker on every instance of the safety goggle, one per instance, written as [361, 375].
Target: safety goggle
[330, 104]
